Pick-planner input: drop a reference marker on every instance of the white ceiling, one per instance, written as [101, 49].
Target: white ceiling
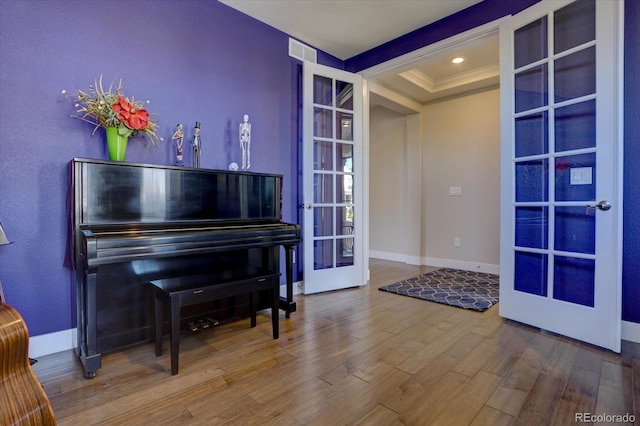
[346, 28]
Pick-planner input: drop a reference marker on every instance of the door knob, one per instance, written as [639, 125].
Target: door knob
[603, 205]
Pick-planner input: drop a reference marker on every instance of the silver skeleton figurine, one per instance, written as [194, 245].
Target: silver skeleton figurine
[245, 142]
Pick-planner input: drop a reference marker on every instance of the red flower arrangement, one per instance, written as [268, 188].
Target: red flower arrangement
[134, 118]
[109, 108]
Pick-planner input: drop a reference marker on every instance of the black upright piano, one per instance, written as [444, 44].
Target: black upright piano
[132, 223]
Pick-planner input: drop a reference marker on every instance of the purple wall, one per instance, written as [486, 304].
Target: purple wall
[195, 61]
[631, 238]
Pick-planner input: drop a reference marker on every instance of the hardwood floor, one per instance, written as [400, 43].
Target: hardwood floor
[358, 356]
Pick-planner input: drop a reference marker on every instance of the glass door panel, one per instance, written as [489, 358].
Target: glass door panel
[323, 254]
[322, 123]
[532, 134]
[531, 227]
[575, 126]
[344, 94]
[323, 222]
[531, 180]
[574, 178]
[531, 273]
[532, 88]
[574, 25]
[575, 75]
[343, 126]
[344, 157]
[575, 230]
[322, 90]
[322, 155]
[532, 43]
[323, 188]
[573, 280]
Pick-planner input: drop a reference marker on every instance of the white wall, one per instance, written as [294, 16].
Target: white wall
[387, 159]
[460, 146]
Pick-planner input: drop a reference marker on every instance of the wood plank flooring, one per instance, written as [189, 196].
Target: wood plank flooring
[353, 357]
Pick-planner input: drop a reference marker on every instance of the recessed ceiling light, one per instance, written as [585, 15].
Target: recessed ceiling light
[458, 60]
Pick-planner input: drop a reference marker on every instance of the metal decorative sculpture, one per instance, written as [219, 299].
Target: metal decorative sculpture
[178, 136]
[245, 142]
[196, 144]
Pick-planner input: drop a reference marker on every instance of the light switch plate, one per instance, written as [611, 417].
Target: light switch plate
[581, 176]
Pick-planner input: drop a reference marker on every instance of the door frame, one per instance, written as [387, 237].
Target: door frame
[406, 106]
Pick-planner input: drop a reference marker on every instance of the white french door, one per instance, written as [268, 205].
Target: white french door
[332, 179]
[561, 208]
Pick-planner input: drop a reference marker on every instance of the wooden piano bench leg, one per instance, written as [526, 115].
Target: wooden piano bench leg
[175, 332]
[253, 309]
[275, 312]
[157, 312]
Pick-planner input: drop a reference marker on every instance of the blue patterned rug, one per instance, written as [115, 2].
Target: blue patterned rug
[465, 289]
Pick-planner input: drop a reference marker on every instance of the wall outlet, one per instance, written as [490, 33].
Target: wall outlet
[456, 241]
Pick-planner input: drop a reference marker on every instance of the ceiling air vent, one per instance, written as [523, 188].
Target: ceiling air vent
[302, 51]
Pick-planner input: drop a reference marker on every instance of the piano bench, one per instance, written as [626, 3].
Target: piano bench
[190, 290]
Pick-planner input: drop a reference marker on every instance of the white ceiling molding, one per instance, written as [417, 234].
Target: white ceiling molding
[382, 96]
[472, 76]
[430, 85]
[420, 79]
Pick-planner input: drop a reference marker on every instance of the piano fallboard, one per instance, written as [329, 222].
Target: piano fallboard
[104, 244]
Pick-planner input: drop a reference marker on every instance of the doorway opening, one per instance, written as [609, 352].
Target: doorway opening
[434, 154]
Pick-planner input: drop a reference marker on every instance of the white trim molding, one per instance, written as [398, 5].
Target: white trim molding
[631, 331]
[437, 262]
[51, 343]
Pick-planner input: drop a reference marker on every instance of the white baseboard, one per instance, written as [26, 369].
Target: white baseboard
[461, 264]
[438, 262]
[296, 288]
[631, 331]
[395, 257]
[52, 343]
[384, 255]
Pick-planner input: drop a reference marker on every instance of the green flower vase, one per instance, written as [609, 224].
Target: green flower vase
[116, 144]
